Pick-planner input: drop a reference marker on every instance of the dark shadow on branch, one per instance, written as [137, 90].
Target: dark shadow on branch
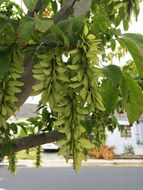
[32, 141]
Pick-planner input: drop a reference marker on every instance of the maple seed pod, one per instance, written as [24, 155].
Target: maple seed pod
[68, 48]
[22, 45]
[137, 122]
[37, 31]
[117, 85]
[32, 12]
[106, 115]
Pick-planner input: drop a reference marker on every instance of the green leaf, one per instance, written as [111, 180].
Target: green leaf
[41, 23]
[39, 86]
[54, 6]
[87, 126]
[86, 143]
[78, 161]
[23, 131]
[75, 85]
[113, 45]
[76, 23]
[83, 93]
[4, 62]
[26, 28]
[62, 150]
[82, 110]
[30, 4]
[85, 30]
[74, 67]
[89, 99]
[117, 20]
[137, 39]
[60, 35]
[135, 106]
[14, 128]
[3, 22]
[109, 95]
[61, 142]
[126, 24]
[113, 72]
[33, 120]
[134, 44]
[2, 1]
[45, 4]
[45, 114]
[63, 25]
[59, 122]
[118, 5]
[124, 92]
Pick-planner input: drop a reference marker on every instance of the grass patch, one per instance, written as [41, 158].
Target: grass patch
[26, 155]
[115, 163]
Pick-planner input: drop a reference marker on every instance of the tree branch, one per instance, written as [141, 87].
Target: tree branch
[81, 7]
[78, 7]
[28, 80]
[65, 11]
[35, 140]
[37, 8]
[75, 7]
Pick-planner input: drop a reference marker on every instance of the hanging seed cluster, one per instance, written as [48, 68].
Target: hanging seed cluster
[9, 85]
[71, 89]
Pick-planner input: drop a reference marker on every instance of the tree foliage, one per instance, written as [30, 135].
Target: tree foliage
[68, 55]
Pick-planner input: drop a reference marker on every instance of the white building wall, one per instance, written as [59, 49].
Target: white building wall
[119, 143]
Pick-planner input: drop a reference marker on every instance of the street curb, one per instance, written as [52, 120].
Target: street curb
[115, 162]
[90, 162]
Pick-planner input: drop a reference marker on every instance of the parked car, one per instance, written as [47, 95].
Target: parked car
[50, 146]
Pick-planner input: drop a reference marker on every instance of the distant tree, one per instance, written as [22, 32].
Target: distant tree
[58, 49]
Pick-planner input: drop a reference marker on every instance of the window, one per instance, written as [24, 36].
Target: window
[127, 133]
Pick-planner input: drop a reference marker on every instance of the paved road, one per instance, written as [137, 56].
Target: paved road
[90, 178]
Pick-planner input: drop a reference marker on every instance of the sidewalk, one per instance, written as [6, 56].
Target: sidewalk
[90, 162]
[115, 162]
